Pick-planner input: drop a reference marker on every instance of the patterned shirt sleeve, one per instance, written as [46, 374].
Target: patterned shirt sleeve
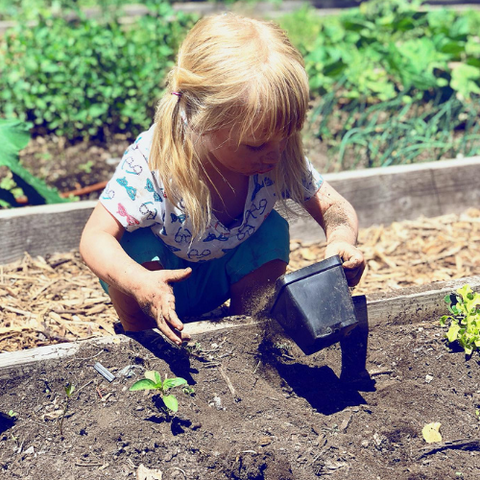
[312, 180]
[133, 195]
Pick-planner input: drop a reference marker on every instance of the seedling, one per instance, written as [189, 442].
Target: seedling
[69, 389]
[153, 381]
[464, 319]
[188, 390]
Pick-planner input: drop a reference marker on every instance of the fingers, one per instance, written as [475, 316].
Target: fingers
[169, 323]
[354, 268]
[172, 276]
[158, 302]
[354, 275]
[173, 333]
[353, 261]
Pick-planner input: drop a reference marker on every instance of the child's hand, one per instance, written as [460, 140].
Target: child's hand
[353, 260]
[158, 301]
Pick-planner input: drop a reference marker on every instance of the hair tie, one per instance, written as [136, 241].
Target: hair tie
[177, 94]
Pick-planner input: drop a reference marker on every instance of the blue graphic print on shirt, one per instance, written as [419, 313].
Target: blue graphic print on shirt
[136, 198]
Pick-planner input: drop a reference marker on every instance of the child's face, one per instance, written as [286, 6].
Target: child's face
[253, 155]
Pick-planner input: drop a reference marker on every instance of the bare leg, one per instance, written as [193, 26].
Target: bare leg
[131, 316]
[252, 293]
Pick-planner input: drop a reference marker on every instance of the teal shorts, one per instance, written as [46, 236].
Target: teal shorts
[209, 284]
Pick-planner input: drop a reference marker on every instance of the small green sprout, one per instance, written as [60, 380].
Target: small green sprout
[153, 381]
[12, 414]
[69, 389]
[188, 390]
[464, 319]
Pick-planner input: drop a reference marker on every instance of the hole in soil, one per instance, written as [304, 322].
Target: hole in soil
[322, 389]
[6, 422]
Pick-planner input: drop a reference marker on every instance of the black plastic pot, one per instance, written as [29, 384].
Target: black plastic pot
[314, 305]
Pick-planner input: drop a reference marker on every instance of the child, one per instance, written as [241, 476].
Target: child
[187, 220]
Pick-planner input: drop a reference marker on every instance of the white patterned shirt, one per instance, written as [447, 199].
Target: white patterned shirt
[135, 196]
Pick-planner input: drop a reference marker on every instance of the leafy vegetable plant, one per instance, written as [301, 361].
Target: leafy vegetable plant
[14, 136]
[153, 381]
[91, 77]
[464, 318]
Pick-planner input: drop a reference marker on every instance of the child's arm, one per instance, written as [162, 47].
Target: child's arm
[339, 221]
[102, 252]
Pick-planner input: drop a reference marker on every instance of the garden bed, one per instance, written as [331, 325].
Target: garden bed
[260, 409]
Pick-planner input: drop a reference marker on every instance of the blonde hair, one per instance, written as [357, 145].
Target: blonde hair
[237, 72]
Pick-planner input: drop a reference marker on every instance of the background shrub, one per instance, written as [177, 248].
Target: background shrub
[393, 82]
[89, 77]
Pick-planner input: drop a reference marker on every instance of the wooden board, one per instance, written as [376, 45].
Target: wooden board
[406, 306]
[385, 195]
[379, 195]
[414, 305]
[42, 229]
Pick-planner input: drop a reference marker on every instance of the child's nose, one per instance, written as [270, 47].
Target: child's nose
[274, 154]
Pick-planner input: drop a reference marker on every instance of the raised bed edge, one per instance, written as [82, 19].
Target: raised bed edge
[405, 306]
[380, 196]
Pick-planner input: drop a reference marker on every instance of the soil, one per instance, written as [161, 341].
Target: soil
[260, 410]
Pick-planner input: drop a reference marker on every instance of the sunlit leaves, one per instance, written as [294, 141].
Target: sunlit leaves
[464, 319]
[153, 381]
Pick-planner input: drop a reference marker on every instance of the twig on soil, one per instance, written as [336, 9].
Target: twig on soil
[374, 373]
[212, 365]
[83, 386]
[229, 383]
[177, 468]
[99, 393]
[88, 464]
[228, 354]
[462, 444]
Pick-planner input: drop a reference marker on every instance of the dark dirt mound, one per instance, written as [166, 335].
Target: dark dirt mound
[260, 410]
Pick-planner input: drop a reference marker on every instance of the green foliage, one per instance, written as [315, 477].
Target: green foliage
[464, 319]
[89, 77]
[14, 137]
[30, 9]
[373, 66]
[400, 132]
[153, 381]
[69, 389]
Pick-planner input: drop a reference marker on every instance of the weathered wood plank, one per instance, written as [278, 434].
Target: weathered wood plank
[429, 189]
[414, 305]
[402, 307]
[385, 195]
[42, 229]
[379, 195]
[24, 358]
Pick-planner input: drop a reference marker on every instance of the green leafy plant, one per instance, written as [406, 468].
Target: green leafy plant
[464, 319]
[394, 82]
[14, 136]
[153, 381]
[89, 77]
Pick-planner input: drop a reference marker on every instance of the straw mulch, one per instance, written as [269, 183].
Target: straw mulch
[57, 299]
